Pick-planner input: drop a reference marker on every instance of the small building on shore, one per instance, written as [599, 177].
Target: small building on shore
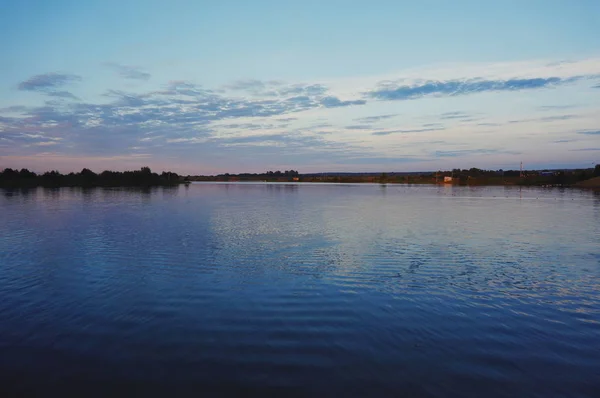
[447, 180]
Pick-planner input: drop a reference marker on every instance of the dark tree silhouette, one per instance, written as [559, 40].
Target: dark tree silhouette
[87, 178]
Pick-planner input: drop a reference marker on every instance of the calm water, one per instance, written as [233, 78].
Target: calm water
[314, 290]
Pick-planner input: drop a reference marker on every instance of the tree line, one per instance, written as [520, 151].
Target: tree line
[87, 178]
[287, 175]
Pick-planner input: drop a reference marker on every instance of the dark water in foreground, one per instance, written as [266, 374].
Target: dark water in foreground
[313, 290]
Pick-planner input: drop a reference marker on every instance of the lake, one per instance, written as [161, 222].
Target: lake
[302, 290]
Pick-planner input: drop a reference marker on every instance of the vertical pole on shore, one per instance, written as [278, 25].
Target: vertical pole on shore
[521, 174]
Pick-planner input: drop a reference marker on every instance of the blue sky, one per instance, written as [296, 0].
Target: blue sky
[207, 87]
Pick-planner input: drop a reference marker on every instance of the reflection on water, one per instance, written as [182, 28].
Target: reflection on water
[311, 289]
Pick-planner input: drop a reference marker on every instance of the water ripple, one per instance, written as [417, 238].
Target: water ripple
[301, 289]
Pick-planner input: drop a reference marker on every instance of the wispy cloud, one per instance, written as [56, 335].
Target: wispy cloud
[257, 115]
[391, 91]
[558, 117]
[589, 132]
[14, 109]
[47, 82]
[545, 119]
[63, 94]
[455, 115]
[253, 85]
[129, 72]
[334, 102]
[563, 141]
[406, 131]
[180, 112]
[249, 126]
[467, 152]
[276, 88]
[373, 119]
[556, 107]
[359, 127]
[188, 140]
[585, 150]
[379, 160]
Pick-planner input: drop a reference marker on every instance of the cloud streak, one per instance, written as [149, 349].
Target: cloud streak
[545, 119]
[334, 102]
[406, 131]
[589, 132]
[129, 72]
[373, 119]
[47, 82]
[63, 94]
[467, 152]
[50, 84]
[390, 91]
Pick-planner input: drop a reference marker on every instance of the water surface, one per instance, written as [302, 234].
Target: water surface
[301, 289]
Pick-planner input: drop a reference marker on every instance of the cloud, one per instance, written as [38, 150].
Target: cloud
[373, 119]
[359, 127]
[14, 109]
[252, 85]
[317, 127]
[334, 102]
[276, 88]
[129, 72]
[302, 96]
[585, 149]
[563, 141]
[390, 91]
[189, 140]
[252, 139]
[379, 160]
[454, 115]
[467, 152]
[589, 132]
[248, 126]
[62, 94]
[180, 112]
[406, 131]
[302, 89]
[545, 119]
[556, 107]
[558, 117]
[47, 82]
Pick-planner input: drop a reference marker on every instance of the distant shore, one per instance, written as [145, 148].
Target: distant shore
[592, 183]
[578, 178]
[470, 177]
[144, 177]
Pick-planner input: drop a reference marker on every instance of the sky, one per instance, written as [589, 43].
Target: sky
[207, 87]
